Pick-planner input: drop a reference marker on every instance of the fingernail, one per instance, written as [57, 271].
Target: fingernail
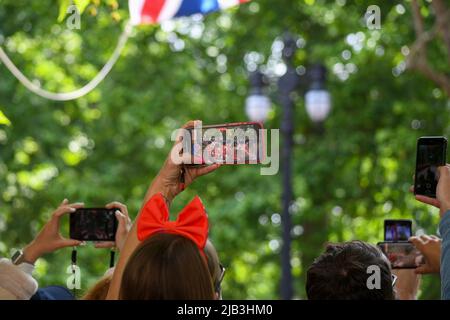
[83, 243]
[72, 209]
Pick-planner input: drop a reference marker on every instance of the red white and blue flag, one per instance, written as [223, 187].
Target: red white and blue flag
[154, 11]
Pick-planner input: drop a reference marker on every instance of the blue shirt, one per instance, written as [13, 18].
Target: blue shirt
[53, 293]
[444, 230]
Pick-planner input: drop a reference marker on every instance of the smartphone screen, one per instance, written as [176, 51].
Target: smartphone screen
[397, 230]
[234, 143]
[431, 153]
[93, 224]
[402, 255]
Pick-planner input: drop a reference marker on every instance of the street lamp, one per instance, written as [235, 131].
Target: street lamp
[257, 104]
[318, 106]
[317, 99]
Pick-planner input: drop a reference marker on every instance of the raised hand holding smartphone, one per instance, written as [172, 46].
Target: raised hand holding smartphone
[431, 154]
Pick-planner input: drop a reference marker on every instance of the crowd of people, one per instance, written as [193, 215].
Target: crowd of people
[164, 260]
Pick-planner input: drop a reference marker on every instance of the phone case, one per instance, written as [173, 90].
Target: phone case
[419, 181]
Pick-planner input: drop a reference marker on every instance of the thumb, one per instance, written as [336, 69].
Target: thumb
[69, 243]
[423, 269]
[417, 242]
[122, 219]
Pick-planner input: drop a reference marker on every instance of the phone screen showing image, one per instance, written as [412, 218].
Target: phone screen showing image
[93, 224]
[397, 230]
[431, 153]
[238, 143]
[402, 255]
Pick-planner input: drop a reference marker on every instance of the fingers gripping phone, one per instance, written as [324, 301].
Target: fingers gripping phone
[431, 153]
[232, 143]
[93, 224]
[402, 255]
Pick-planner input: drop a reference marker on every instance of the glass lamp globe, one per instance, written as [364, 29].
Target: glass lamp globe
[318, 104]
[257, 107]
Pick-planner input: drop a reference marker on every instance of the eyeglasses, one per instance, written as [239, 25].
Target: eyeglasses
[394, 280]
[218, 287]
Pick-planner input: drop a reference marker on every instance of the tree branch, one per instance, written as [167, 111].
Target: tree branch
[417, 58]
[443, 22]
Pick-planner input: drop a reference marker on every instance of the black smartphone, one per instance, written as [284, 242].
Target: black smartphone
[431, 153]
[231, 143]
[93, 224]
[402, 255]
[397, 230]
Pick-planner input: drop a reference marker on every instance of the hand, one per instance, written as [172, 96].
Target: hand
[430, 247]
[49, 238]
[442, 200]
[169, 179]
[407, 284]
[124, 226]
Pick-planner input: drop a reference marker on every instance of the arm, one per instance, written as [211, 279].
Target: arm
[442, 202]
[444, 229]
[130, 245]
[16, 281]
[169, 182]
[407, 285]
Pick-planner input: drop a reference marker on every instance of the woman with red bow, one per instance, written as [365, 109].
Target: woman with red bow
[164, 259]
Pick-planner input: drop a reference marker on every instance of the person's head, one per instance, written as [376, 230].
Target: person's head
[342, 273]
[216, 270]
[166, 267]
[100, 290]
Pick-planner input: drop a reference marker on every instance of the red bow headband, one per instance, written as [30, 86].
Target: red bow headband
[192, 221]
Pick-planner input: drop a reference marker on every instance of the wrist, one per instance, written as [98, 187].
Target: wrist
[31, 253]
[161, 186]
[406, 292]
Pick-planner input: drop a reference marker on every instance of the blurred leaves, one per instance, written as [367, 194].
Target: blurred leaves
[110, 144]
[4, 120]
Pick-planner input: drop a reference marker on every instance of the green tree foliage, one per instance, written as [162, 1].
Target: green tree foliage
[110, 144]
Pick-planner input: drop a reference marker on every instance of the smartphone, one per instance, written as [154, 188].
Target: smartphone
[431, 153]
[232, 143]
[397, 230]
[402, 255]
[93, 224]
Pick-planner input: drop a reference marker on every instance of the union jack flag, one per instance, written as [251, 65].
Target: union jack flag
[154, 11]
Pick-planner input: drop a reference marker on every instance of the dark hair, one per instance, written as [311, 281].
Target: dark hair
[341, 273]
[166, 267]
[213, 265]
[100, 290]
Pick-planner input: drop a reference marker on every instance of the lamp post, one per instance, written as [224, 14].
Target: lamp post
[318, 105]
